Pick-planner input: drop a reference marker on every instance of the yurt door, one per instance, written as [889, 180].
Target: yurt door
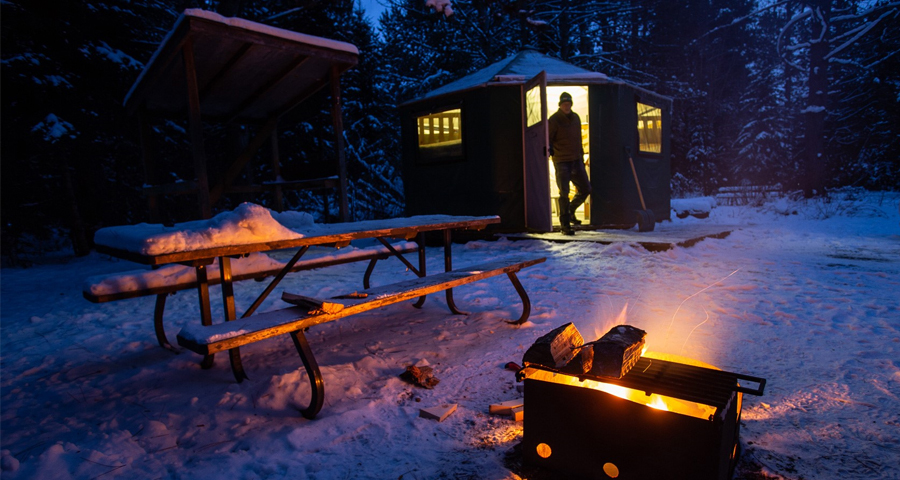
[537, 170]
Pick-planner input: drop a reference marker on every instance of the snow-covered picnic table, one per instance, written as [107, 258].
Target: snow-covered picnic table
[252, 229]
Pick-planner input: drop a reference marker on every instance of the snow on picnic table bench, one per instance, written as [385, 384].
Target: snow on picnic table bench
[246, 225]
[183, 275]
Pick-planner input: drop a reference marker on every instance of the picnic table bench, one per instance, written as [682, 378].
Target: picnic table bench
[294, 320]
[175, 278]
[140, 244]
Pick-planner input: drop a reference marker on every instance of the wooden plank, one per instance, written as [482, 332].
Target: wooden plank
[180, 188]
[152, 74]
[315, 305]
[271, 83]
[348, 232]
[380, 253]
[261, 137]
[224, 70]
[438, 413]
[216, 29]
[505, 408]
[195, 126]
[269, 324]
[310, 184]
[338, 124]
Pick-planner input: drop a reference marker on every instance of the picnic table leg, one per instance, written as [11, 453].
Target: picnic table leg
[420, 239]
[526, 302]
[158, 322]
[368, 273]
[420, 272]
[275, 281]
[205, 311]
[448, 266]
[234, 354]
[316, 383]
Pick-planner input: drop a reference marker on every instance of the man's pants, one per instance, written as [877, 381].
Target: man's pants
[571, 172]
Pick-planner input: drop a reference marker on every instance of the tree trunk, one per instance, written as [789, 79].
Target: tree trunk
[814, 140]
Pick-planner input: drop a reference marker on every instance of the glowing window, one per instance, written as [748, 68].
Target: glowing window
[440, 136]
[533, 106]
[442, 128]
[649, 127]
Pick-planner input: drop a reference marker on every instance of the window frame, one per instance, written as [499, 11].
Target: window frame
[451, 153]
[662, 119]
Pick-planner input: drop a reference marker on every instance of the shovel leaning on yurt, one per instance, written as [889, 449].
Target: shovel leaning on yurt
[645, 219]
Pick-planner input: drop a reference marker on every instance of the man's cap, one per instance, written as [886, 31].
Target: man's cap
[565, 97]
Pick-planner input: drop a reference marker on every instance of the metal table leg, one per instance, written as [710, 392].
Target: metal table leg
[420, 239]
[234, 354]
[448, 266]
[158, 322]
[205, 311]
[316, 383]
[526, 302]
[275, 281]
[420, 272]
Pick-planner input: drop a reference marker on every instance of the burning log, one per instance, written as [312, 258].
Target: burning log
[558, 348]
[616, 352]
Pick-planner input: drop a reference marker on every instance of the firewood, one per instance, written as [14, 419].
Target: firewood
[518, 413]
[505, 408]
[555, 349]
[314, 304]
[438, 413]
[419, 376]
[582, 362]
[617, 351]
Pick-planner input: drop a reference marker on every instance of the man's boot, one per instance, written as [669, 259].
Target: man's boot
[565, 226]
[574, 218]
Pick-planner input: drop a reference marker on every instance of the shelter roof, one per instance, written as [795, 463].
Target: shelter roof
[518, 69]
[245, 70]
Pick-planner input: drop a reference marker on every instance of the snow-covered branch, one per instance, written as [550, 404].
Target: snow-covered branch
[441, 6]
[867, 27]
[784, 32]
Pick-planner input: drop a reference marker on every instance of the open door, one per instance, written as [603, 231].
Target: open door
[537, 169]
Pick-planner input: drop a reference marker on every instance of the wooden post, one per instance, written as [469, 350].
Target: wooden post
[339, 141]
[149, 168]
[195, 125]
[276, 171]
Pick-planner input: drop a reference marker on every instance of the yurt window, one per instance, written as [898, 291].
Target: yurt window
[440, 135]
[649, 127]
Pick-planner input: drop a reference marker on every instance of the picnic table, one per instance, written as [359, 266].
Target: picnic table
[140, 243]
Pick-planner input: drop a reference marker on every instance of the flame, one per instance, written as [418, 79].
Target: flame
[659, 402]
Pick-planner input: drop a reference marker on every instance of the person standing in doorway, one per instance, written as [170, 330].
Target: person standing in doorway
[567, 153]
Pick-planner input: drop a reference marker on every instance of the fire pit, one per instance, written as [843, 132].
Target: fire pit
[659, 419]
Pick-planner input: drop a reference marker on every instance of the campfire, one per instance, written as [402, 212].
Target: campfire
[609, 409]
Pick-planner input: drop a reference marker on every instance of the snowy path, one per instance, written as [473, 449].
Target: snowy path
[811, 305]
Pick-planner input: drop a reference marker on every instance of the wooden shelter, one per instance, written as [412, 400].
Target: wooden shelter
[230, 70]
[478, 146]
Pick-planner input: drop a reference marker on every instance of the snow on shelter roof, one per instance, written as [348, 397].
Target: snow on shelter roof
[523, 66]
[517, 69]
[244, 69]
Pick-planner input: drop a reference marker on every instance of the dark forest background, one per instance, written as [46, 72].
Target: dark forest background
[801, 94]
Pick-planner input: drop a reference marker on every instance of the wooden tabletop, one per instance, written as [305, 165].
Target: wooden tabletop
[121, 245]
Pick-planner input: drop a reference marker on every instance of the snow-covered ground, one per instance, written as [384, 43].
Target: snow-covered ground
[808, 300]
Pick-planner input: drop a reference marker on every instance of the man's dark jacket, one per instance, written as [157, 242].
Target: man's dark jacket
[565, 137]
